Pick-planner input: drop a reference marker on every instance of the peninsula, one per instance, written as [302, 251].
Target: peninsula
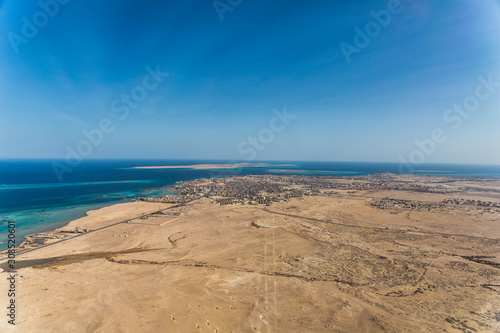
[377, 253]
[205, 166]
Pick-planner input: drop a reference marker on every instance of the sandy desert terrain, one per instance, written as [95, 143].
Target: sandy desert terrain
[353, 259]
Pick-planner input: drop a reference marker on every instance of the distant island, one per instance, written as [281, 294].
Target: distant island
[206, 166]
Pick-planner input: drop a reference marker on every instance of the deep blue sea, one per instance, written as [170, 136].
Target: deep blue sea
[33, 195]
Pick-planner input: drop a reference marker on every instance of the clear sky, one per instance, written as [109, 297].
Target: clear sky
[65, 69]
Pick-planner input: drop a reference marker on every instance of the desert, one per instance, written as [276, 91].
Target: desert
[374, 253]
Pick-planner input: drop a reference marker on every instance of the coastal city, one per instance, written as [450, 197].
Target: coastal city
[253, 190]
[260, 166]
[398, 241]
[269, 189]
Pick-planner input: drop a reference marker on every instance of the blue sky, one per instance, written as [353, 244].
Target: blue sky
[227, 76]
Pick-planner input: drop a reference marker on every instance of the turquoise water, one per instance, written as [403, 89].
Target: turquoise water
[33, 195]
[315, 172]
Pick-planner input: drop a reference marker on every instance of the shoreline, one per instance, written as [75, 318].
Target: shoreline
[87, 221]
[50, 226]
[91, 222]
[115, 205]
[374, 250]
[82, 212]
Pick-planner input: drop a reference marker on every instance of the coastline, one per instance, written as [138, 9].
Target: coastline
[32, 219]
[94, 219]
[55, 218]
[109, 214]
[375, 250]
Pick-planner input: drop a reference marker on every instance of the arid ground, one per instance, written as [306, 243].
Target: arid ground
[353, 259]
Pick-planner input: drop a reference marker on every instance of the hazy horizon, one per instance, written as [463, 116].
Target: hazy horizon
[230, 161]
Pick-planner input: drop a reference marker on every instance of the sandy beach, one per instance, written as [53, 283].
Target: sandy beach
[333, 262]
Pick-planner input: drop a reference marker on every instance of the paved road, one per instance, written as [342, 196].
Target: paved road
[79, 235]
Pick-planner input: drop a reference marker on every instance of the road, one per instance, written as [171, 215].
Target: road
[89, 232]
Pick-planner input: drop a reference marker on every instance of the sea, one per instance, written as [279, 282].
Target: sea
[39, 199]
